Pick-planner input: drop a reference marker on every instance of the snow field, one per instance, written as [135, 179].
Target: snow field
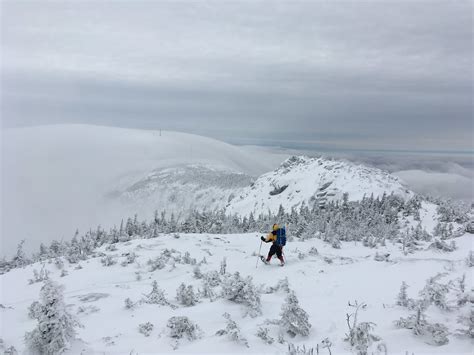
[323, 283]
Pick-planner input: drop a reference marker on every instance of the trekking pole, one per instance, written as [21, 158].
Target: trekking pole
[258, 256]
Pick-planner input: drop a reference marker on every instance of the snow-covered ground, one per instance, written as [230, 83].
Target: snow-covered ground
[324, 282]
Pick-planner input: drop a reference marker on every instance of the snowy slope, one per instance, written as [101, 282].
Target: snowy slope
[324, 282]
[184, 188]
[305, 179]
[62, 177]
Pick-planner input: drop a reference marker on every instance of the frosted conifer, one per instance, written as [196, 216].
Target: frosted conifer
[402, 299]
[186, 296]
[239, 290]
[294, 319]
[56, 326]
[156, 296]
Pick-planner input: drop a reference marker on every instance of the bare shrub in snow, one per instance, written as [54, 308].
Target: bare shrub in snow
[294, 319]
[313, 251]
[39, 276]
[232, 331]
[64, 273]
[239, 290]
[326, 344]
[129, 304]
[436, 334]
[56, 326]
[296, 350]
[180, 327]
[186, 296]
[145, 328]
[360, 333]
[262, 333]
[108, 260]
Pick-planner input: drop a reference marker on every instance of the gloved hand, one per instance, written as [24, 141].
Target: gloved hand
[262, 238]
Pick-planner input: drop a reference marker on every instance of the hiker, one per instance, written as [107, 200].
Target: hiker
[278, 237]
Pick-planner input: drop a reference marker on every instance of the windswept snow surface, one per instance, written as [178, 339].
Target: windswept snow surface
[324, 282]
[61, 177]
[309, 180]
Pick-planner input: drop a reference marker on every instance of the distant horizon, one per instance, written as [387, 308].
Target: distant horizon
[262, 142]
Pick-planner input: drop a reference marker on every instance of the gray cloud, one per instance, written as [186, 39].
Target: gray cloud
[391, 75]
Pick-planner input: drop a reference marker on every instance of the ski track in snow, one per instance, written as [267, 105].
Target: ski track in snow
[323, 290]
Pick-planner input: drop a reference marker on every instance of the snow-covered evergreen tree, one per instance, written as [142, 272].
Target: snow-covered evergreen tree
[467, 323]
[197, 272]
[402, 299]
[20, 259]
[435, 293]
[294, 319]
[56, 326]
[156, 296]
[239, 290]
[180, 327]
[186, 296]
[223, 266]
[108, 260]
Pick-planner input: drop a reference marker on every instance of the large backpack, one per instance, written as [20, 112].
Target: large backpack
[281, 237]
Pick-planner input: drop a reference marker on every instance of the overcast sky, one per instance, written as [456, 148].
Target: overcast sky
[341, 74]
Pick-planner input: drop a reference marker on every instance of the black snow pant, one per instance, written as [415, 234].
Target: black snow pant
[275, 249]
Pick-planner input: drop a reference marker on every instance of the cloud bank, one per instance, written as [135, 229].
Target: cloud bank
[371, 75]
